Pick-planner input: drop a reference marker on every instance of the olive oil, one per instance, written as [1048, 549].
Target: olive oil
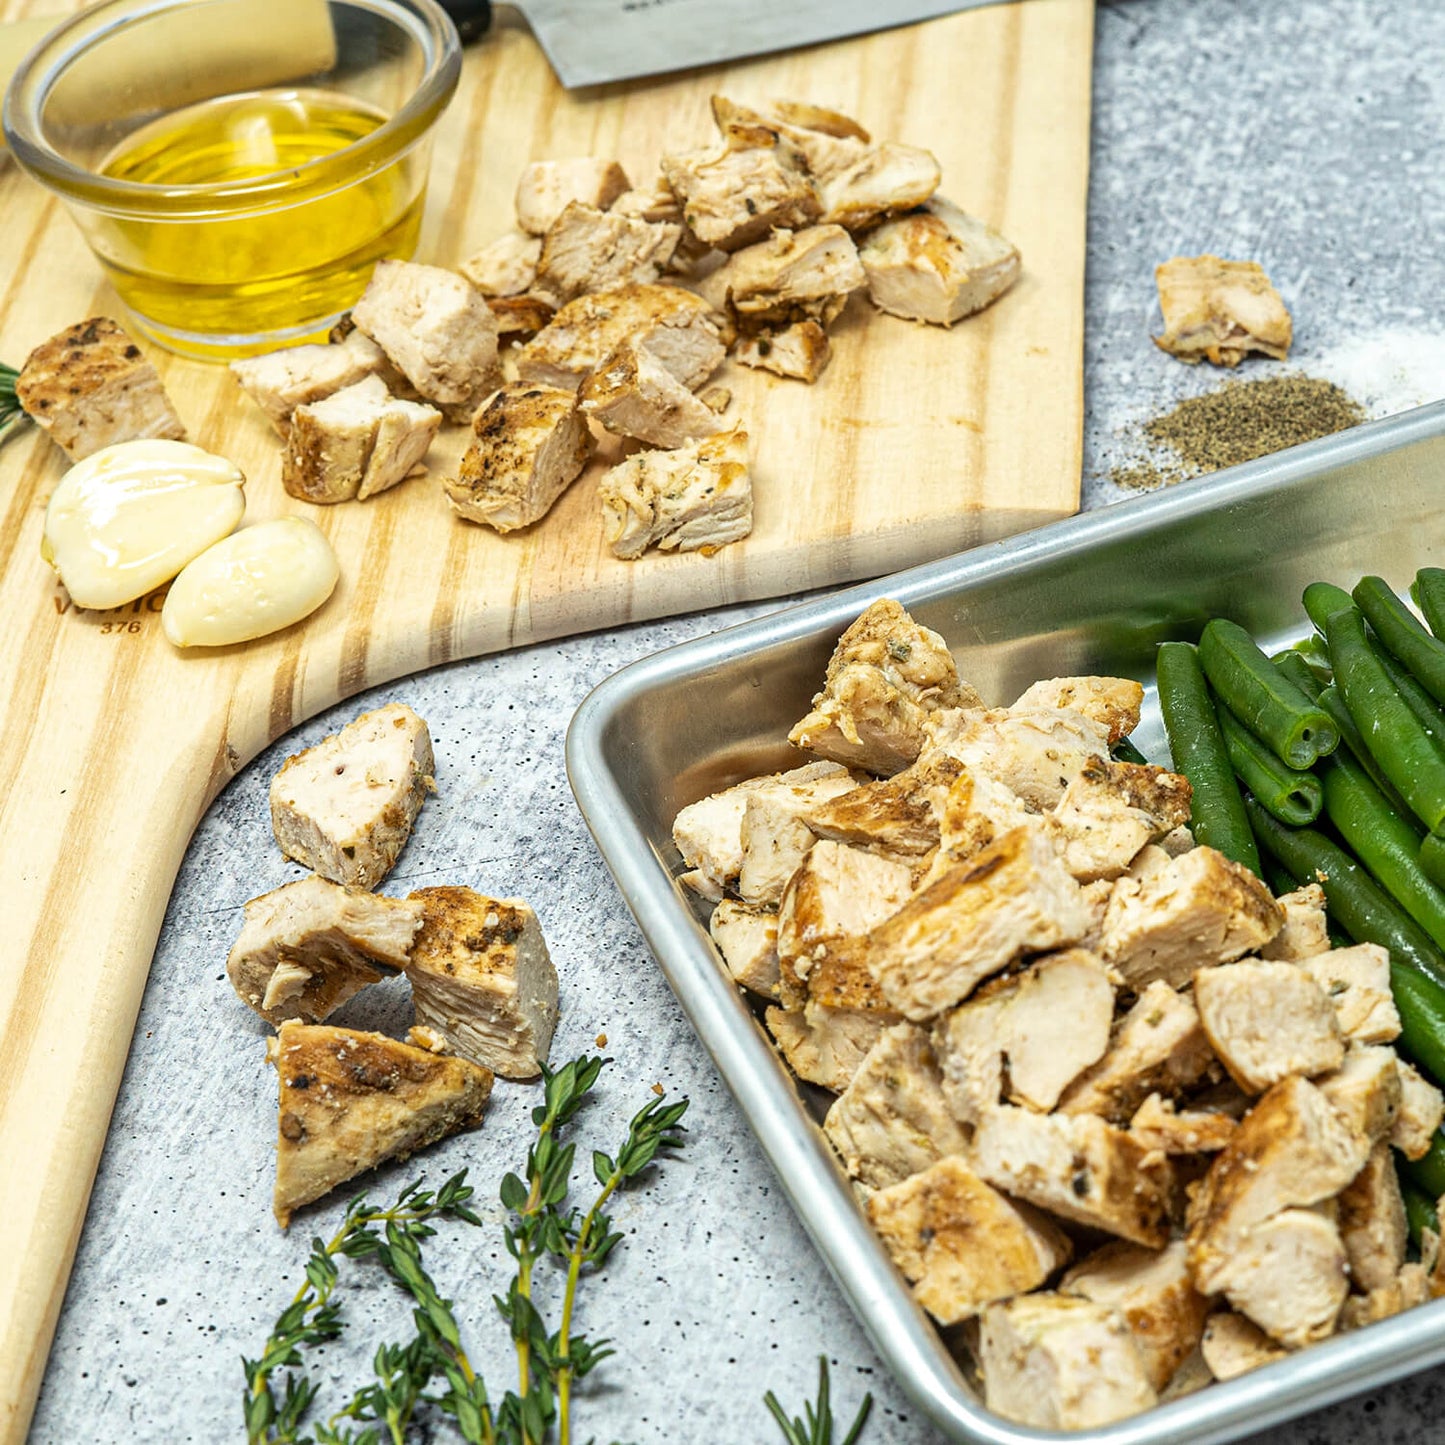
[284, 247]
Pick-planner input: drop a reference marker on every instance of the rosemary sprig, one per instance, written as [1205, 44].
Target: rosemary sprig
[12, 414]
[816, 1428]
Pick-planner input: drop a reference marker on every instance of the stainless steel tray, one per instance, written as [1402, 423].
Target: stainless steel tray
[1095, 593]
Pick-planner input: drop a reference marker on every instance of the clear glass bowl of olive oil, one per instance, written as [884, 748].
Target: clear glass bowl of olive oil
[238, 166]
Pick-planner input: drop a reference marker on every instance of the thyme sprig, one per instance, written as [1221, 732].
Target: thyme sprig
[12, 414]
[816, 1428]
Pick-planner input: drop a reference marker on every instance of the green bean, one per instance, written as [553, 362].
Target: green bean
[1420, 1212]
[1420, 654]
[1293, 797]
[1262, 698]
[1216, 810]
[1334, 704]
[1421, 1002]
[1406, 753]
[1428, 590]
[1315, 655]
[1416, 698]
[1322, 598]
[1432, 858]
[1428, 1174]
[1294, 666]
[1125, 752]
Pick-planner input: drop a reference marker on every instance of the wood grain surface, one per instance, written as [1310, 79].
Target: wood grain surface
[915, 443]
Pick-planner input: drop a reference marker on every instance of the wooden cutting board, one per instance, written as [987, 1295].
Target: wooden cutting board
[915, 443]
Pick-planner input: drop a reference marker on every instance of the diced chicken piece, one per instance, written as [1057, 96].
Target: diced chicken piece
[1366, 1090]
[1357, 982]
[1177, 843]
[1372, 1222]
[717, 399]
[883, 181]
[586, 249]
[898, 816]
[1192, 1376]
[520, 315]
[747, 937]
[776, 836]
[345, 807]
[280, 381]
[1421, 1110]
[1012, 899]
[1266, 1021]
[886, 676]
[978, 811]
[481, 977]
[694, 498]
[827, 1046]
[679, 328]
[1158, 1126]
[829, 141]
[643, 204]
[349, 1100]
[1234, 1346]
[1158, 1046]
[634, 395]
[307, 947]
[1027, 1036]
[961, 1244]
[436, 330]
[1079, 1168]
[1410, 1287]
[1114, 702]
[1153, 1291]
[1096, 900]
[1109, 811]
[938, 265]
[506, 267]
[1057, 1362]
[791, 276]
[1290, 1276]
[90, 387]
[892, 1120]
[529, 444]
[546, 188]
[1305, 932]
[1220, 310]
[1290, 1151]
[1202, 909]
[800, 351]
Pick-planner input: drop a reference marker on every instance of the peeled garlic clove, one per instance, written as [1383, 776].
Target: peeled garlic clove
[127, 518]
[256, 581]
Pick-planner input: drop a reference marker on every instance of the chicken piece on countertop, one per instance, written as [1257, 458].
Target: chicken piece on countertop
[633, 394]
[1201, 909]
[694, 498]
[91, 386]
[800, 352]
[346, 806]
[746, 935]
[1357, 983]
[308, 946]
[1305, 932]
[1422, 1109]
[1160, 1127]
[355, 443]
[546, 188]
[1157, 1047]
[892, 1121]
[827, 1046]
[1266, 1021]
[589, 250]
[776, 835]
[529, 444]
[1220, 311]
[961, 1244]
[1153, 1291]
[886, 676]
[678, 327]
[1410, 1287]
[1233, 1346]
[897, 817]
[883, 181]
[1372, 1222]
[790, 276]
[436, 330]
[828, 140]
[506, 267]
[520, 316]
[350, 1099]
[1058, 1362]
[1366, 1090]
[937, 265]
[1013, 898]
[481, 977]
[280, 381]
[1113, 702]
[1026, 1036]
[1110, 811]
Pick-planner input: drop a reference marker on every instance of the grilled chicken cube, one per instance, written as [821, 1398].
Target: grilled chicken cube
[1153, 1291]
[350, 1099]
[634, 395]
[746, 935]
[1357, 983]
[345, 807]
[1113, 702]
[827, 1046]
[1421, 1110]
[655, 203]
[1200, 909]
[1109, 811]
[1305, 932]
[1290, 1276]
[679, 328]
[800, 351]
[829, 141]
[90, 387]
[436, 330]
[307, 947]
[1410, 1287]
[889, 178]
[892, 1121]
[1233, 1346]
[482, 978]
[776, 836]
[546, 188]
[529, 444]
[1372, 1222]
[1366, 1090]
[1266, 1021]
[522, 316]
[1220, 310]
[899, 817]
[977, 812]
[1160, 1127]
[937, 264]
[1058, 1362]
[506, 267]
[1158, 1046]
[280, 381]
[961, 1244]
[790, 276]
[586, 249]
[694, 498]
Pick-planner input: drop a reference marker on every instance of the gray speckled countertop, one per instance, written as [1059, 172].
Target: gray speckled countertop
[1306, 135]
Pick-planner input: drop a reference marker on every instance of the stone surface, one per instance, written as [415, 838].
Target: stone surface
[1306, 137]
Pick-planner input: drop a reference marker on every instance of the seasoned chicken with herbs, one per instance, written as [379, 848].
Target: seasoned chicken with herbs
[506, 267]
[633, 394]
[1220, 311]
[546, 188]
[587, 250]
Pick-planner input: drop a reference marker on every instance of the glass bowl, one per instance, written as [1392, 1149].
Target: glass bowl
[238, 166]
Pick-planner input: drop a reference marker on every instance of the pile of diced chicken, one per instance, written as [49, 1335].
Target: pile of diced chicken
[1107, 1102]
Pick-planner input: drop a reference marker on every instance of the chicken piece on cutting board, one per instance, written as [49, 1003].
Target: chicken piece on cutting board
[828, 140]
[307, 947]
[483, 979]
[883, 181]
[546, 188]
[520, 316]
[790, 276]
[800, 351]
[633, 394]
[586, 249]
[281, 381]
[1220, 311]
[350, 1099]
[506, 266]
[346, 806]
